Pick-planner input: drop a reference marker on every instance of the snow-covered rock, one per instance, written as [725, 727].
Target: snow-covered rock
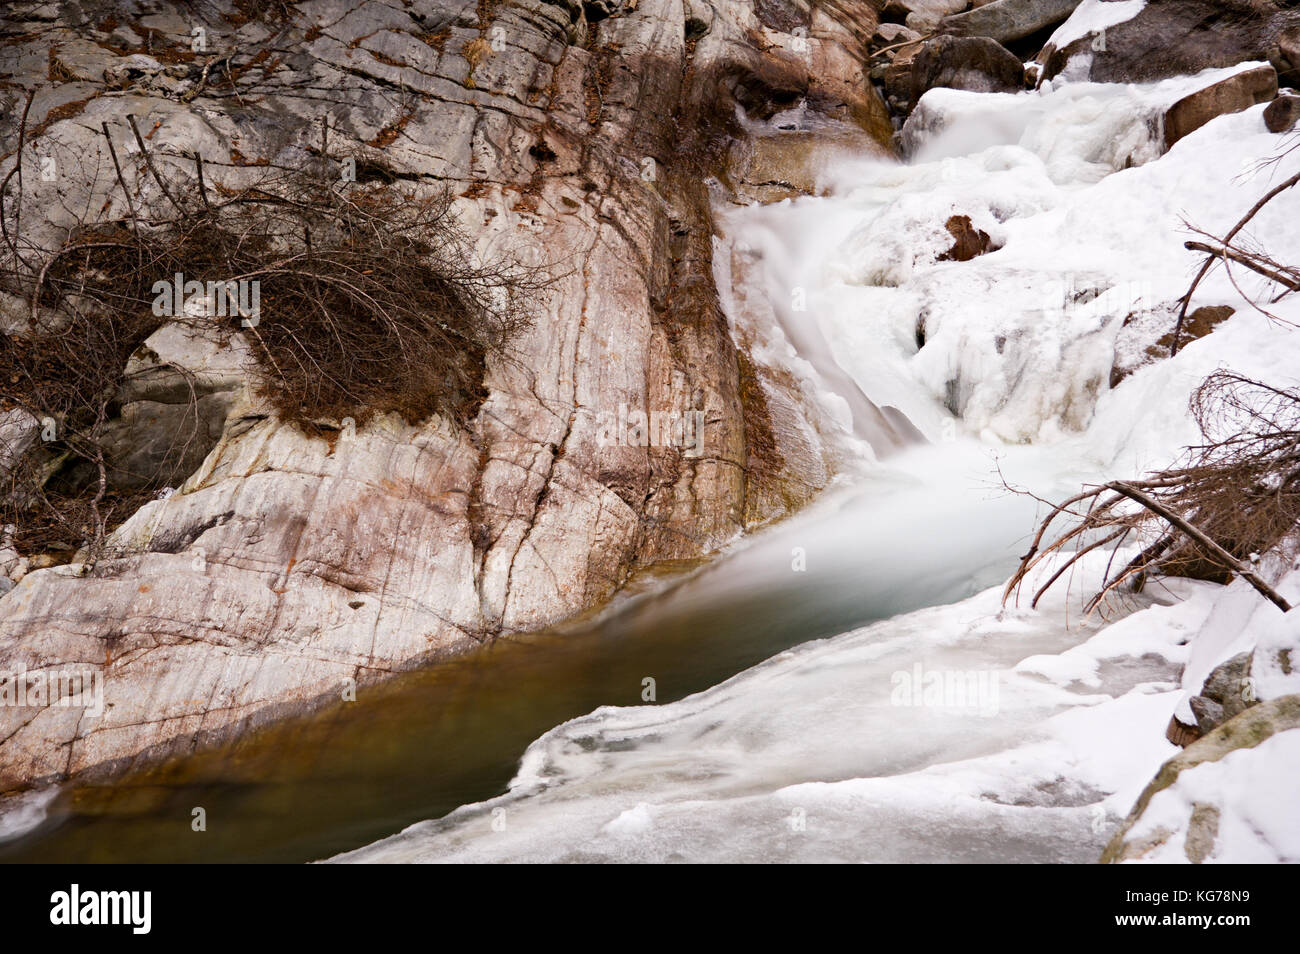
[1230, 798]
[1134, 41]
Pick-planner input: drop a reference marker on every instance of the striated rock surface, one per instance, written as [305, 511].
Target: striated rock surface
[285, 566]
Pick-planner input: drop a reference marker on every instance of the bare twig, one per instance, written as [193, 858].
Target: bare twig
[1254, 263]
[1186, 300]
[148, 161]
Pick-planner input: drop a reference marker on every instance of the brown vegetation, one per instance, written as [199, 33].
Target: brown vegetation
[369, 301]
[1211, 516]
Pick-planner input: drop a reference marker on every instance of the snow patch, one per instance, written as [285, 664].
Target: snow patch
[1092, 17]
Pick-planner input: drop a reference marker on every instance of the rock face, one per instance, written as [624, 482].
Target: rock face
[976, 64]
[1008, 20]
[288, 565]
[1232, 95]
[1175, 37]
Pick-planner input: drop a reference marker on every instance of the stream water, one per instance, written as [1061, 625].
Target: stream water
[430, 741]
[702, 773]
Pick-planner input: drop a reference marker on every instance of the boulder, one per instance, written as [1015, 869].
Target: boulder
[1008, 20]
[921, 15]
[1281, 114]
[1179, 37]
[1232, 95]
[976, 64]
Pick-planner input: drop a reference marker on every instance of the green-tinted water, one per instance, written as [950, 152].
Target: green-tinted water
[425, 743]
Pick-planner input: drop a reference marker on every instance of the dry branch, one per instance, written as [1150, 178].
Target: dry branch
[1229, 500]
[1211, 259]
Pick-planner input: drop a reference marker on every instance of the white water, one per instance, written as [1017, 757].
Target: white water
[815, 755]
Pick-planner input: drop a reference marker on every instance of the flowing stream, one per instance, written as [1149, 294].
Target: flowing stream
[806, 755]
[431, 741]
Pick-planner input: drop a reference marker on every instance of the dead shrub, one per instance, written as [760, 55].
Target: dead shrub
[366, 300]
[1229, 501]
[370, 301]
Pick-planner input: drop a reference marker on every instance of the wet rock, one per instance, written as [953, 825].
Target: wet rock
[968, 241]
[1181, 734]
[925, 15]
[1232, 95]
